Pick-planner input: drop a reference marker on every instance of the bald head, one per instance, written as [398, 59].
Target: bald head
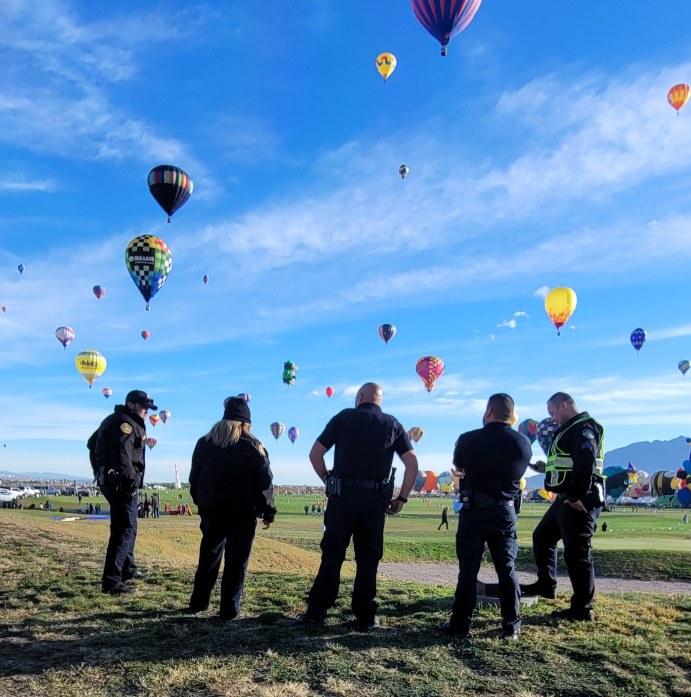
[369, 393]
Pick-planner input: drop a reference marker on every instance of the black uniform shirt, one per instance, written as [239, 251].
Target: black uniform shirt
[494, 459]
[366, 440]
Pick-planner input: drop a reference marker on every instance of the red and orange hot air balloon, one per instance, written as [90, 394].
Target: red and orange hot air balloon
[678, 96]
[430, 369]
[154, 419]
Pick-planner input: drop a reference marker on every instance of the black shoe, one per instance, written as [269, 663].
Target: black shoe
[367, 625]
[573, 615]
[138, 575]
[196, 609]
[228, 616]
[533, 589]
[454, 631]
[307, 620]
[118, 590]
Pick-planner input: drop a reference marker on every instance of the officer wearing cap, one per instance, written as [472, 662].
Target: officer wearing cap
[490, 462]
[574, 471]
[231, 483]
[116, 451]
[360, 494]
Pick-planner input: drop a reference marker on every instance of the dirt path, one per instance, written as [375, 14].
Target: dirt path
[447, 574]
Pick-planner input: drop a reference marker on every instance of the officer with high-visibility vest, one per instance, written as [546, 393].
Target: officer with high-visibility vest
[574, 472]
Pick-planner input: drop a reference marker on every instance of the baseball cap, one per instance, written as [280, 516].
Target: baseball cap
[140, 397]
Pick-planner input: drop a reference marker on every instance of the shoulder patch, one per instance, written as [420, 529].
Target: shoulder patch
[587, 433]
[126, 428]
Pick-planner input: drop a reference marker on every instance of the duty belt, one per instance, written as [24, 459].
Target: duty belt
[361, 483]
[480, 500]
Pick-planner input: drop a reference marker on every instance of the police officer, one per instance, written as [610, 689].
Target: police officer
[490, 462]
[231, 483]
[360, 490]
[574, 471]
[116, 450]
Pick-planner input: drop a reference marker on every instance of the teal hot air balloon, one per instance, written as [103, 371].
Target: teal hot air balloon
[289, 369]
[149, 262]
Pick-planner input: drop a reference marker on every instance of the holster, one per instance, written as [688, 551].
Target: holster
[333, 485]
[388, 486]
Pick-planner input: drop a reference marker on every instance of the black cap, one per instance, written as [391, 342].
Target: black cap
[139, 397]
[236, 409]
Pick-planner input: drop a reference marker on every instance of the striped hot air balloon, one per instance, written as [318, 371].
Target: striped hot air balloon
[446, 18]
[170, 186]
[678, 96]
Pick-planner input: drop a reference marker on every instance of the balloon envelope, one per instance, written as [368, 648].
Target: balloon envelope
[545, 433]
[91, 365]
[684, 366]
[146, 334]
[205, 279]
[151, 442]
[149, 262]
[107, 392]
[154, 419]
[529, 429]
[164, 414]
[244, 395]
[430, 481]
[678, 96]
[170, 186]
[416, 433]
[445, 482]
[99, 291]
[638, 338]
[386, 64]
[560, 304]
[277, 429]
[293, 434]
[444, 20]
[65, 335]
[329, 391]
[21, 268]
[430, 369]
[387, 332]
[403, 170]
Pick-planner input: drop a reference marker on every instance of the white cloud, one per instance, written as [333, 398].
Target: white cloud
[521, 313]
[541, 292]
[21, 185]
[509, 323]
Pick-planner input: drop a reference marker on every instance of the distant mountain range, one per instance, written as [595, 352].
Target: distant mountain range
[43, 476]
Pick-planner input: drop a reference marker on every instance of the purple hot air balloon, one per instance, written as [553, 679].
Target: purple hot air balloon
[638, 338]
[443, 19]
[293, 434]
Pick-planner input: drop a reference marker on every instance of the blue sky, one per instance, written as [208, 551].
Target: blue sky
[542, 153]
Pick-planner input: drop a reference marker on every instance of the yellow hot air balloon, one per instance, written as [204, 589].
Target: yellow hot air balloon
[678, 96]
[514, 418]
[91, 365]
[386, 64]
[560, 304]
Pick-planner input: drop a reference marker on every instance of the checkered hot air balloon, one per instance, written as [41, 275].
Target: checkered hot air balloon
[170, 186]
[545, 433]
[638, 338]
[445, 19]
[430, 369]
[149, 262]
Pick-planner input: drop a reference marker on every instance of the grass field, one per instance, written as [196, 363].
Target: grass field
[59, 635]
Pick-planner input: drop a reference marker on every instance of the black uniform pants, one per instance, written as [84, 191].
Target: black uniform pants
[119, 565]
[357, 513]
[575, 528]
[221, 532]
[496, 526]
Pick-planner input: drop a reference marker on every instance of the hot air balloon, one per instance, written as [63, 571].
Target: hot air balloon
[529, 429]
[154, 419]
[170, 186]
[545, 433]
[386, 64]
[4, 308]
[430, 481]
[430, 369]
[560, 304]
[99, 291]
[245, 396]
[416, 433]
[387, 332]
[107, 392]
[684, 366]
[90, 365]
[146, 334]
[21, 268]
[420, 480]
[445, 482]
[149, 262]
[638, 338]
[277, 429]
[289, 369]
[403, 171]
[293, 434]
[329, 392]
[205, 278]
[678, 96]
[165, 415]
[444, 20]
[151, 442]
[65, 335]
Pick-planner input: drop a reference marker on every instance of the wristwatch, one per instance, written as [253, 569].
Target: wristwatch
[401, 499]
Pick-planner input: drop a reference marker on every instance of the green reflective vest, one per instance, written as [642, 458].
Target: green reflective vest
[560, 463]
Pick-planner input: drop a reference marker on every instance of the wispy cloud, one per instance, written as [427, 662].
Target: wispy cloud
[20, 185]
